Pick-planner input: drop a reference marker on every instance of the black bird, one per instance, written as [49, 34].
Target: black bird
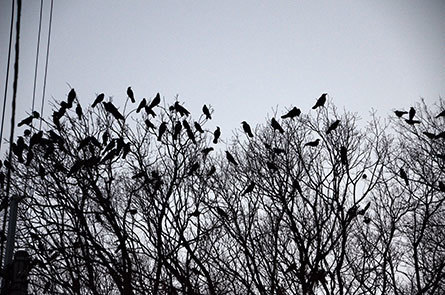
[36, 138]
[195, 213]
[222, 212]
[276, 125]
[180, 109]
[162, 129]
[150, 111]
[249, 188]
[105, 137]
[430, 135]
[149, 124]
[404, 176]
[198, 127]
[412, 122]
[400, 113]
[79, 111]
[333, 126]
[271, 166]
[344, 155]
[28, 120]
[247, 129]
[412, 113]
[98, 100]
[320, 102]
[189, 131]
[177, 130]
[294, 112]
[156, 100]
[126, 150]
[206, 112]
[231, 159]
[216, 135]
[211, 171]
[131, 94]
[366, 219]
[29, 157]
[27, 132]
[109, 107]
[206, 151]
[441, 114]
[313, 143]
[142, 104]
[71, 97]
[193, 169]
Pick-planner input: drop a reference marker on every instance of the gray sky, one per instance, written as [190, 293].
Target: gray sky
[242, 57]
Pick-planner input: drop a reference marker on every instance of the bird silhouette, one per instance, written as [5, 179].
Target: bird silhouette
[400, 113]
[36, 138]
[149, 124]
[141, 105]
[206, 112]
[156, 100]
[177, 130]
[206, 151]
[294, 112]
[195, 213]
[98, 100]
[131, 94]
[441, 186]
[222, 212]
[198, 127]
[430, 135]
[313, 143]
[249, 188]
[363, 211]
[216, 135]
[189, 131]
[231, 159]
[333, 126]
[29, 157]
[412, 113]
[180, 109]
[320, 102]
[276, 125]
[150, 111]
[71, 97]
[28, 120]
[403, 175]
[162, 129]
[278, 151]
[79, 111]
[247, 129]
[296, 185]
[344, 155]
[441, 114]
[412, 122]
[109, 107]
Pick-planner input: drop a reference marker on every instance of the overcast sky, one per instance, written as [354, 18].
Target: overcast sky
[243, 58]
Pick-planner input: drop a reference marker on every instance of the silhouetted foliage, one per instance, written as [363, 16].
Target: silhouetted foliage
[148, 201]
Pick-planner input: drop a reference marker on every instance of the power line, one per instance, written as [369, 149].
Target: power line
[37, 56]
[7, 75]
[46, 63]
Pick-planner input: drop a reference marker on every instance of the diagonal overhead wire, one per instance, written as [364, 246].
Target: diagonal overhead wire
[7, 73]
[46, 63]
[37, 56]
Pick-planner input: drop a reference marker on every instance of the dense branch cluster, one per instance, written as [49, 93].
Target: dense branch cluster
[150, 201]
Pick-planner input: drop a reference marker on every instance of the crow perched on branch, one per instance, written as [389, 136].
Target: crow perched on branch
[180, 109]
[189, 131]
[249, 188]
[141, 105]
[98, 100]
[400, 113]
[246, 128]
[333, 126]
[313, 143]
[198, 127]
[109, 107]
[276, 125]
[131, 94]
[79, 111]
[403, 175]
[156, 100]
[216, 135]
[294, 112]
[412, 113]
[321, 101]
[162, 129]
[28, 120]
[441, 114]
[206, 112]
